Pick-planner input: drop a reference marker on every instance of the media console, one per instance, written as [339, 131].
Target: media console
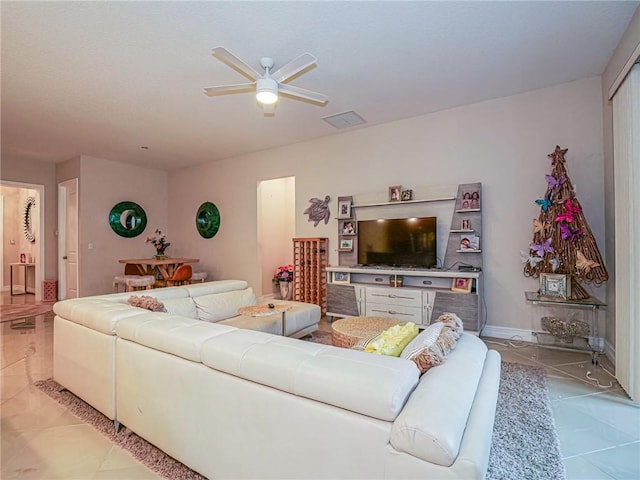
[423, 296]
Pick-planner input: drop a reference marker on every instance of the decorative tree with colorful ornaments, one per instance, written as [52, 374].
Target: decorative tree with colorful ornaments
[562, 240]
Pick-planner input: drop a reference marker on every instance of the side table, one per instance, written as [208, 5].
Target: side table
[26, 267]
[555, 330]
[265, 310]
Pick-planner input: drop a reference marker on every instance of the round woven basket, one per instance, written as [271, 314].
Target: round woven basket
[346, 332]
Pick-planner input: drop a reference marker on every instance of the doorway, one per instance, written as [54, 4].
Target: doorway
[276, 228]
[16, 244]
[68, 255]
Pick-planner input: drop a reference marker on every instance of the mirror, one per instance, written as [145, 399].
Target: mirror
[208, 220]
[127, 219]
[29, 206]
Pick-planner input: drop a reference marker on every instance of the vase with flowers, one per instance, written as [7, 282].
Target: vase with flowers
[159, 240]
[283, 278]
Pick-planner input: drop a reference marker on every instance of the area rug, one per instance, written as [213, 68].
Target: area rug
[524, 446]
[10, 312]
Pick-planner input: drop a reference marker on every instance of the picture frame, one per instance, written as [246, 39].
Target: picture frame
[394, 193]
[469, 242]
[461, 285]
[465, 225]
[346, 245]
[348, 227]
[341, 277]
[344, 209]
[555, 285]
[470, 200]
[406, 195]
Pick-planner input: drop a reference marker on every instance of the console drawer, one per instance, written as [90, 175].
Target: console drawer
[405, 314]
[397, 297]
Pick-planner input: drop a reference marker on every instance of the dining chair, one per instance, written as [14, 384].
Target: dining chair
[135, 282]
[180, 276]
[130, 272]
[198, 277]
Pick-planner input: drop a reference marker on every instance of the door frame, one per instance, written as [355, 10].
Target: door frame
[40, 259]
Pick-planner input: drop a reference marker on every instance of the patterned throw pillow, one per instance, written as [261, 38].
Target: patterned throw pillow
[149, 303]
[430, 348]
[393, 340]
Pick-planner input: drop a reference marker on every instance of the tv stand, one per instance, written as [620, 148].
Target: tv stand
[424, 296]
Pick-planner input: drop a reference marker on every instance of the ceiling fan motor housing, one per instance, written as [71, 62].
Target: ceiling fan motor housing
[267, 90]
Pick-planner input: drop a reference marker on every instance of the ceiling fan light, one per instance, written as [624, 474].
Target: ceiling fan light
[267, 91]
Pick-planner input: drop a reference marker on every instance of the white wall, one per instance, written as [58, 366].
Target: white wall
[102, 185]
[502, 143]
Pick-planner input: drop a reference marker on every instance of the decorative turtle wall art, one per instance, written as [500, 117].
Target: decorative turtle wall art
[318, 210]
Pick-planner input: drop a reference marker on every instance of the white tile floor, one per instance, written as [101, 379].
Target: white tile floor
[599, 428]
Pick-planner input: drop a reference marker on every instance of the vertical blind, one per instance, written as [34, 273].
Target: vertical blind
[626, 152]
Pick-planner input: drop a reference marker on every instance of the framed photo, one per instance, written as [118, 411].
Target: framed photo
[344, 209]
[348, 228]
[465, 225]
[554, 285]
[471, 200]
[341, 277]
[394, 193]
[462, 285]
[406, 195]
[469, 242]
[346, 244]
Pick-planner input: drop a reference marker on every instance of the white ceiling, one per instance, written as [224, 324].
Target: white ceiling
[106, 78]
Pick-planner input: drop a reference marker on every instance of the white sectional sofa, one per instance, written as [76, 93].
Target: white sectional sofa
[84, 341]
[238, 403]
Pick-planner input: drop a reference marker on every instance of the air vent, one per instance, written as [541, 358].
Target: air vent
[345, 120]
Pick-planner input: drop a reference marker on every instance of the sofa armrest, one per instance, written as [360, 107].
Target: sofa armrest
[433, 423]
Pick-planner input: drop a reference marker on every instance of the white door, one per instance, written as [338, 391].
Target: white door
[68, 239]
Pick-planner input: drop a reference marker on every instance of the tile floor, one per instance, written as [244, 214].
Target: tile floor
[599, 428]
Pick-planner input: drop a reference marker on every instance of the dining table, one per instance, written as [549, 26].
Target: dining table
[165, 266]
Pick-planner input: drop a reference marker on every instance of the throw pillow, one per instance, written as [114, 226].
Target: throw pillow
[430, 348]
[149, 303]
[393, 340]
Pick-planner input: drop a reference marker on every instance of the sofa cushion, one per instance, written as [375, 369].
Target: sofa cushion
[177, 335]
[217, 286]
[433, 422]
[220, 306]
[96, 313]
[372, 385]
[181, 306]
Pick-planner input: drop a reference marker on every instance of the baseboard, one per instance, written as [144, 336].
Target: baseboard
[508, 333]
[610, 352]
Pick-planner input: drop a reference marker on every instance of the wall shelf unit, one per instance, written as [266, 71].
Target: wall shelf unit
[416, 295]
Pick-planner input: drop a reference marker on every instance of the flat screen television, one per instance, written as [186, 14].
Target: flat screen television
[398, 242]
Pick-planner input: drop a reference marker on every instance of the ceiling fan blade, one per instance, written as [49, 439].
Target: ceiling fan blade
[225, 89]
[302, 93]
[294, 67]
[234, 62]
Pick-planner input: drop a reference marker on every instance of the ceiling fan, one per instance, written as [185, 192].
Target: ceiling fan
[268, 85]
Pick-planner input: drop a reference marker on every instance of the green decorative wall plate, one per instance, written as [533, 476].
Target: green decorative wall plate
[127, 219]
[208, 220]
